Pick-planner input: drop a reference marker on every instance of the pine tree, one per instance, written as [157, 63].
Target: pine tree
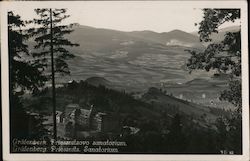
[50, 40]
[24, 76]
[24, 72]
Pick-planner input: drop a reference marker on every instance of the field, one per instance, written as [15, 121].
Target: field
[136, 61]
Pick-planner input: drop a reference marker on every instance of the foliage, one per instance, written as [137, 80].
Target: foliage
[24, 76]
[157, 134]
[24, 72]
[102, 98]
[233, 94]
[59, 43]
[25, 125]
[229, 134]
[225, 57]
[176, 137]
[213, 18]
[50, 46]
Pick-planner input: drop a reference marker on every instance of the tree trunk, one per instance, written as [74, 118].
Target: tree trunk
[53, 77]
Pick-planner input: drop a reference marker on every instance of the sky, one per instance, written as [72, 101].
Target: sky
[158, 16]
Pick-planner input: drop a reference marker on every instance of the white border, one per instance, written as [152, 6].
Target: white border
[196, 4]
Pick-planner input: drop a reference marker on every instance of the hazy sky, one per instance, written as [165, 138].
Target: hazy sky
[157, 16]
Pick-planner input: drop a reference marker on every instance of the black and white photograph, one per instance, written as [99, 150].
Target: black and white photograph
[133, 78]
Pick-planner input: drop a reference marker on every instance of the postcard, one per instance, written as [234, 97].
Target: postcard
[125, 80]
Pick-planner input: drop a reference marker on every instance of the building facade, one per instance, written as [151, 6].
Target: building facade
[89, 120]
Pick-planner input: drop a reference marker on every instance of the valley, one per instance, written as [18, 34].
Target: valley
[136, 61]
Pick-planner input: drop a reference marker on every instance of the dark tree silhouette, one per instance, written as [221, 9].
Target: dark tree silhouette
[225, 57]
[176, 137]
[50, 40]
[50, 23]
[24, 72]
[24, 76]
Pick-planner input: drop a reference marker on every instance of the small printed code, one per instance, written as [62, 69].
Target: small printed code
[226, 152]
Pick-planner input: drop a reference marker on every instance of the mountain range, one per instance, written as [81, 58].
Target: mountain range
[96, 39]
[135, 61]
[144, 58]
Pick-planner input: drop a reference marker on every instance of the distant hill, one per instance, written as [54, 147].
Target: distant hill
[216, 37]
[96, 81]
[175, 37]
[164, 101]
[132, 61]
[182, 38]
[230, 29]
[96, 39]
[142, 57]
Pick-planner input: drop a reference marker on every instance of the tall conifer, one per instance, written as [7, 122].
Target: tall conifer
[51, 45]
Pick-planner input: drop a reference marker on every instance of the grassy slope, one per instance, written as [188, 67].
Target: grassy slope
[164, 101]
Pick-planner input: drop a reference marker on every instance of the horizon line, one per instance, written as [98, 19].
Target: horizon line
[192, 32]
